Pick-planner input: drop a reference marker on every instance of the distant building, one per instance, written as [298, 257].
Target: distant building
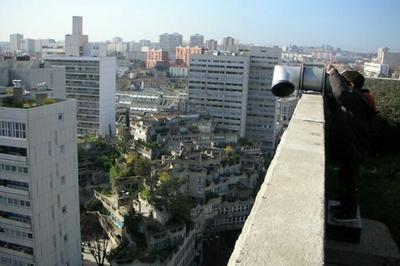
[39, 204]
[16, 41]
[150, 101]
[376, 70]
[197, 40]
[218, 85]
[236, 91]
[385, 57]
[262, 109]
[157, 58]
[211, 45]
[322, 55]
[75, 42]
[145, 43]
[31, 73]
[117, 46]
[183, 53]
[53, 49]
[91, 81]
[178, 71]
[169, 42]
[95, 49]
[230, 44]
[39, 43]
[29, 46]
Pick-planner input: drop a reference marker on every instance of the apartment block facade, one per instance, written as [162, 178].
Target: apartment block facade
[235, 89]
[218, 85]
[262, 105]
[156, 58]
[183, 53]
[197, 40]
[211, 45]
[91, 81]
[39, 200]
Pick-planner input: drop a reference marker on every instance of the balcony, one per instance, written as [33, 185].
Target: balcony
[286, 225]
[9, 189]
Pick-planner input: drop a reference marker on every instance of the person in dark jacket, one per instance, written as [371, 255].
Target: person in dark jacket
[348, 137]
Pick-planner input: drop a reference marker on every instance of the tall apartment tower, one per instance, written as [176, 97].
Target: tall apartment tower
[229, 44]
[262, 106]
[74, 44]
[169, 42]
[218, 85]
[197, 40]
[39, 200]
[91, 81]
[16, 41]
[236, 91]
[211, 45]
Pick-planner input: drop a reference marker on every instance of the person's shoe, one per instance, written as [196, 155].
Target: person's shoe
[342, 217]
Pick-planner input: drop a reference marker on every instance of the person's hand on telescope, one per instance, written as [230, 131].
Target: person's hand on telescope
[330, 68]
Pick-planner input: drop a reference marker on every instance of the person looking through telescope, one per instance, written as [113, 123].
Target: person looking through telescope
[351, 113]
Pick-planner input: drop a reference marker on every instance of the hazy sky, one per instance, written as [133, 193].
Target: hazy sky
[356, 25]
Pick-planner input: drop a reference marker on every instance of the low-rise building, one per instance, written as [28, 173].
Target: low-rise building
[157, 58]
[375, 70]
[178, 71]
[183, 54]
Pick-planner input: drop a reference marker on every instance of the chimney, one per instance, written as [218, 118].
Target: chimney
[41, 93]
[18, 90]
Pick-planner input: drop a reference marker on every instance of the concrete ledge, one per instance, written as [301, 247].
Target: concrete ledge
[286, 223]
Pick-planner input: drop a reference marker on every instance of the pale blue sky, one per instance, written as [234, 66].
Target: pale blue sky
[356, 25]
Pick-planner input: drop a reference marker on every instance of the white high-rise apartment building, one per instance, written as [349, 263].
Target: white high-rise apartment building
[39, 193]
[230, 44]
[74, 44]
[91, 81]
[211, 45]
[169, 42]
[197, 40]
[262, 105]
[218, 85]
[236, 91]
[29, 46]
[16, 41]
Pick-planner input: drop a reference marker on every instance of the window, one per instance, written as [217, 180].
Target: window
[13, 129]
[60, 116]
[12, 201]
[64, 209]
[49, 147]
[62, 148]
[62, 180]
[54, 241]
[58, 200]
[57, 169]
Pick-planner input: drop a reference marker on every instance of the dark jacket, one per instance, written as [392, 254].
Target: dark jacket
[349, 121]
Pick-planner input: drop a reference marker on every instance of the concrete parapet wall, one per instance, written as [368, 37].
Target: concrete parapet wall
[286, 223]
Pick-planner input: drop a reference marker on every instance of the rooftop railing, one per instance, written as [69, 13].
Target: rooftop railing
[286, 223]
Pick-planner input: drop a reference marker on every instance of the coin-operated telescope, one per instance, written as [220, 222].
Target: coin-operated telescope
[310, 79]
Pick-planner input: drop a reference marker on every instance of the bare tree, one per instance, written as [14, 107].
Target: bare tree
[98, 248]
[93, 237]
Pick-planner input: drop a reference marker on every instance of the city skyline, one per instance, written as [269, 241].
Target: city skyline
[362, 26]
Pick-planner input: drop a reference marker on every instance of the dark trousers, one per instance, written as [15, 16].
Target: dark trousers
[349, 182]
